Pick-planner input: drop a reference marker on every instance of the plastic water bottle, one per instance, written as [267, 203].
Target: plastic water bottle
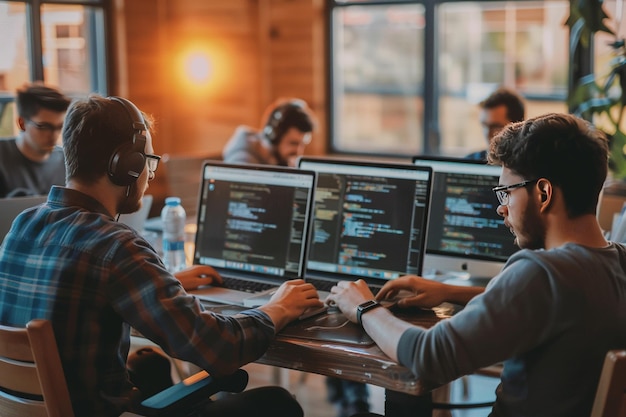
[173, 216]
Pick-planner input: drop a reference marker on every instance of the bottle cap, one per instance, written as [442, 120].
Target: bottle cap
[172, 201]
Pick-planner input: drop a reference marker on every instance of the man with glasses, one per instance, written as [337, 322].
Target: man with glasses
[557, 307]
[33, 162]
[71, 262]
[502, 107]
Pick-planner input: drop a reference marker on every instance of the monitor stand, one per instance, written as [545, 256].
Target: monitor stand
[443, 275]
[456, 278]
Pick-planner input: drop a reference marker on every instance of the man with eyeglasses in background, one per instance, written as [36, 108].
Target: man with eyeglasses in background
[32, 162]
[502, 107]
[557, 307]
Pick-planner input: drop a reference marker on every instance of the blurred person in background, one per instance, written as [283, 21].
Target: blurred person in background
[32, 162]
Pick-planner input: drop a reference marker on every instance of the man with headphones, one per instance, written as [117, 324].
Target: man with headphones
[96, 278]
[287, 127]
[33, 161]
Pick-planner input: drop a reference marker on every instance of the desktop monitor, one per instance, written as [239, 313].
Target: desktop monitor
[466, 238]
[370, 219]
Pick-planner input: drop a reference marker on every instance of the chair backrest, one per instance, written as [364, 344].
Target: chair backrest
[610, 398]
[32, 382]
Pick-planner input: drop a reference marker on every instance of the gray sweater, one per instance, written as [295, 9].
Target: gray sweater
[550, 316]
[248, 146]
[19, 176]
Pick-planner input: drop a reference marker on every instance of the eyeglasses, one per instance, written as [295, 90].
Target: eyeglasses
[45, 127]
[153, 162]
[502, 191]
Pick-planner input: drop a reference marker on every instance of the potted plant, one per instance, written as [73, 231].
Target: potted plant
[600, 98]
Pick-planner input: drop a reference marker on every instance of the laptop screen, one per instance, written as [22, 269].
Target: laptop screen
[465, 234]
[243, 224]
[370, 219]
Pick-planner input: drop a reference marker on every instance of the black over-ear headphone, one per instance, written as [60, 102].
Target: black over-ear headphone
[129, 159]
[272, 129]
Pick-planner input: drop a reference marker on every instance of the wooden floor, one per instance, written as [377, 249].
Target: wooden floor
[310, 391]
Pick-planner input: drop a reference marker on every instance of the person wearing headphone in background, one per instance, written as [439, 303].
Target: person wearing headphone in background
[287, 128]
[33, 162]
[288, 124]
[98, 278]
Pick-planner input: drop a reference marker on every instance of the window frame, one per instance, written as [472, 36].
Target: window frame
[99, 34]
[580, 64]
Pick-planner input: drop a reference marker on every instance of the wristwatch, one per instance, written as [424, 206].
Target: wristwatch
[364, 308]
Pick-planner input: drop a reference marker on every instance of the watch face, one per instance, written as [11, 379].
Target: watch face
[365, 307]
[367, 304]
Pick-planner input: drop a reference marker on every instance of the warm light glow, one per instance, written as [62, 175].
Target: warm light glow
[198, 67]
[202, 68]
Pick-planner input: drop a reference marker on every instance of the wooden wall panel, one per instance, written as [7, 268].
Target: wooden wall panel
[260, 50]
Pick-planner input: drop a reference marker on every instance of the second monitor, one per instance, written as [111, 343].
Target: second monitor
[466, 238]
[370, 221]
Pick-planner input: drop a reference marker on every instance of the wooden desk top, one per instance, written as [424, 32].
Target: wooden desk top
[363, 363]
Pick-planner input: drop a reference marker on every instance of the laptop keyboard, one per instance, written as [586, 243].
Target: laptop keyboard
[323, 285]
[246, 285]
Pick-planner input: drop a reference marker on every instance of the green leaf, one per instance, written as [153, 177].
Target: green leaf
[593, 15]
[617, 158]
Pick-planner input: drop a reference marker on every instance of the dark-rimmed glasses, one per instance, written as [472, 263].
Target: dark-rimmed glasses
[153, 162]
[502, 191]
[45, 127]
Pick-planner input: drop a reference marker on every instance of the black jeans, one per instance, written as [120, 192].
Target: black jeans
[149, 371]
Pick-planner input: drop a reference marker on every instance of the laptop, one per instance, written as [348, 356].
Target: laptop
[369, 221]
[252, 227]
[11, 207]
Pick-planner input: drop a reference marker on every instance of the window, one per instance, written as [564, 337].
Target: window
[407, 76]
[60, 44]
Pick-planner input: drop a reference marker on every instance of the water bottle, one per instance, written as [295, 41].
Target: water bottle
[173, 216]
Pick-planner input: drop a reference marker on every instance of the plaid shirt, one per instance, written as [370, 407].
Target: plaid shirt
[70, 262]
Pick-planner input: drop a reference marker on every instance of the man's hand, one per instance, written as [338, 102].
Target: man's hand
[289, 302]
[425, 293]
[347, 295]
[198, 275]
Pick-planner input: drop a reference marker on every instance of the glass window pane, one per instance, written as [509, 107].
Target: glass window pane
[70, 49]
[378, 74]
[519, 44]
[14, 68]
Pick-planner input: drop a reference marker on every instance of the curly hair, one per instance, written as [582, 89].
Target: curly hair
[568, 151]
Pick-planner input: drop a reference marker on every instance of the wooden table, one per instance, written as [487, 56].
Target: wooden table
[404, 394]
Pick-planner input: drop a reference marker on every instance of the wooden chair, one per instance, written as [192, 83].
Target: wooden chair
[31, 377]
[610, 398]
[32, 382]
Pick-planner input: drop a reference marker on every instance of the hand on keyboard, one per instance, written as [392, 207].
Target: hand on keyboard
[291, 299]
[198, 275]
